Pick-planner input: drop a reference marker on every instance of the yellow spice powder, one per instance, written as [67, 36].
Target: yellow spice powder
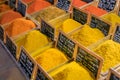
[110, 51]
[33, 40]
[87, 35]
[50, 58]
[69, 25]
[112, 18]
[71, 71]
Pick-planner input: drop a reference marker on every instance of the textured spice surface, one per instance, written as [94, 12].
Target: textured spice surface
[87, 35]
[78, 3]
[50, 13]
[32, 41]
[110, 51]
[71, 71]
[51, 58]
[37, 5]
[9, 16]
[4, 7]
[95, 10]
[19, 26]
[69, 25]
[27, 1]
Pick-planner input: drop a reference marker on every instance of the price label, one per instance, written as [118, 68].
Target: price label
[107, 5]
[11, 46]
[80, 16]
[90, 61]
[42, 75]
[117, 35]
[51, 1]
[1, 33]
[47, 29]
[21, 8]
[63, 4]
[12, 3]
[87, 1]
[101, 25]
[65, 45]
[26, 63]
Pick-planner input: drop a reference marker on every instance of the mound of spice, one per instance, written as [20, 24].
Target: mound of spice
[51, 58]
[110, 51]
[95, 10]
[4, 7]
[37, 5]
[78, 3]
[9, 16]
[27, 1]
[69, 25]
[50, 13]
[71, 71]
[27, 40]
[87, 35]
[18, 26]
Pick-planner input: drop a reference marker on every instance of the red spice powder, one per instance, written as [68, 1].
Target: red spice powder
[9, 16]
[78, 3]
[95, 10]
[37, 5]
[27, 1]
[4, 7]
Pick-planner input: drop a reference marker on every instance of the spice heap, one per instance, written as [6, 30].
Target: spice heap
[32, 41]
[50, 58]
[110, 51]
[4, 7]
[50, 13]
[71, 71]
[37, 5]
[112, 18]
[9, 16]
[19, 26]
[78, 3]
[87, 35]
[69, 25]
[95, 10]
[27, 1]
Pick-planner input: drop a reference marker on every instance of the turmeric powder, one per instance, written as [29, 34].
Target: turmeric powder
[19, 26]
[71, 71]
[69, 25]
[32, 41]
[112, 18]
[110, 51]
[50, 58]
[87, 35]
[49, 13]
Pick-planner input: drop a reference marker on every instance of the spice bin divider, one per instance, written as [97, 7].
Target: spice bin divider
[114, 74]
[27, 64]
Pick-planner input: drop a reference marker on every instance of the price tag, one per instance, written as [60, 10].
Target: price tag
[26, 63]
[63, 4]
[90, 60]
[87, 1]
[80, 16]
[66, 45]
[42, 75]
[107, 5]
[12, 3]
[11, 46]
[1, 33]
[113, 75]
[100, 24]
[51, 1]
[116, 36]
[21, 8]
[47, 29]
